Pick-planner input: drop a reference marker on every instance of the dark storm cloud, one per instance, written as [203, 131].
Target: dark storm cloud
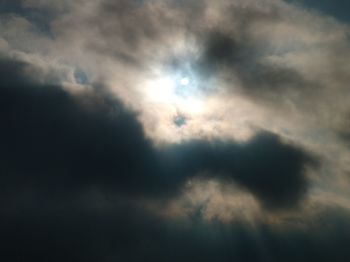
[52, 140]
[76, 171]
[271, 170]
[73, 231]
[241, 58]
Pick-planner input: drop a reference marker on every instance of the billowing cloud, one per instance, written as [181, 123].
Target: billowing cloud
[92, 140]
[131, 129]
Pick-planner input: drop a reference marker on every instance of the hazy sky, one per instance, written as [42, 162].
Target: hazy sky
[199, 130]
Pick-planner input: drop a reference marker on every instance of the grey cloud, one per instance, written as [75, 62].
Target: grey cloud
[52, 140]
[74, 230]
[289, 62]
[115, 35]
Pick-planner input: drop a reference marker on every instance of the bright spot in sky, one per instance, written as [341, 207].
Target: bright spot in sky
[162, 90]
[185, 81]
[165, 90]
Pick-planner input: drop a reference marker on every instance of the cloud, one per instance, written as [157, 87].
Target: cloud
[77, 230]
[93, 140]
[105, 152]
[270, 169]
[335, 8]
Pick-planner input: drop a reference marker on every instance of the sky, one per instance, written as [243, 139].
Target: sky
[173, 130]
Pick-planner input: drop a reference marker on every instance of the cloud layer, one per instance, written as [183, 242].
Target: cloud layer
[92, 140]
[173, 130]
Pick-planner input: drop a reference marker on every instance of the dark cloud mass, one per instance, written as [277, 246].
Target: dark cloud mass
[55, 145]
[52, 139]
[242, 59]
[84, 234]
[276, 177]
[151, 130]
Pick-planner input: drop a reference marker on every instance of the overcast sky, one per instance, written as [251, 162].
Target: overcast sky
[174, 130]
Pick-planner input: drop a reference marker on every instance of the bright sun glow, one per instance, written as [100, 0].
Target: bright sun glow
[162, 90]
[179, 93]
[184, 81]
